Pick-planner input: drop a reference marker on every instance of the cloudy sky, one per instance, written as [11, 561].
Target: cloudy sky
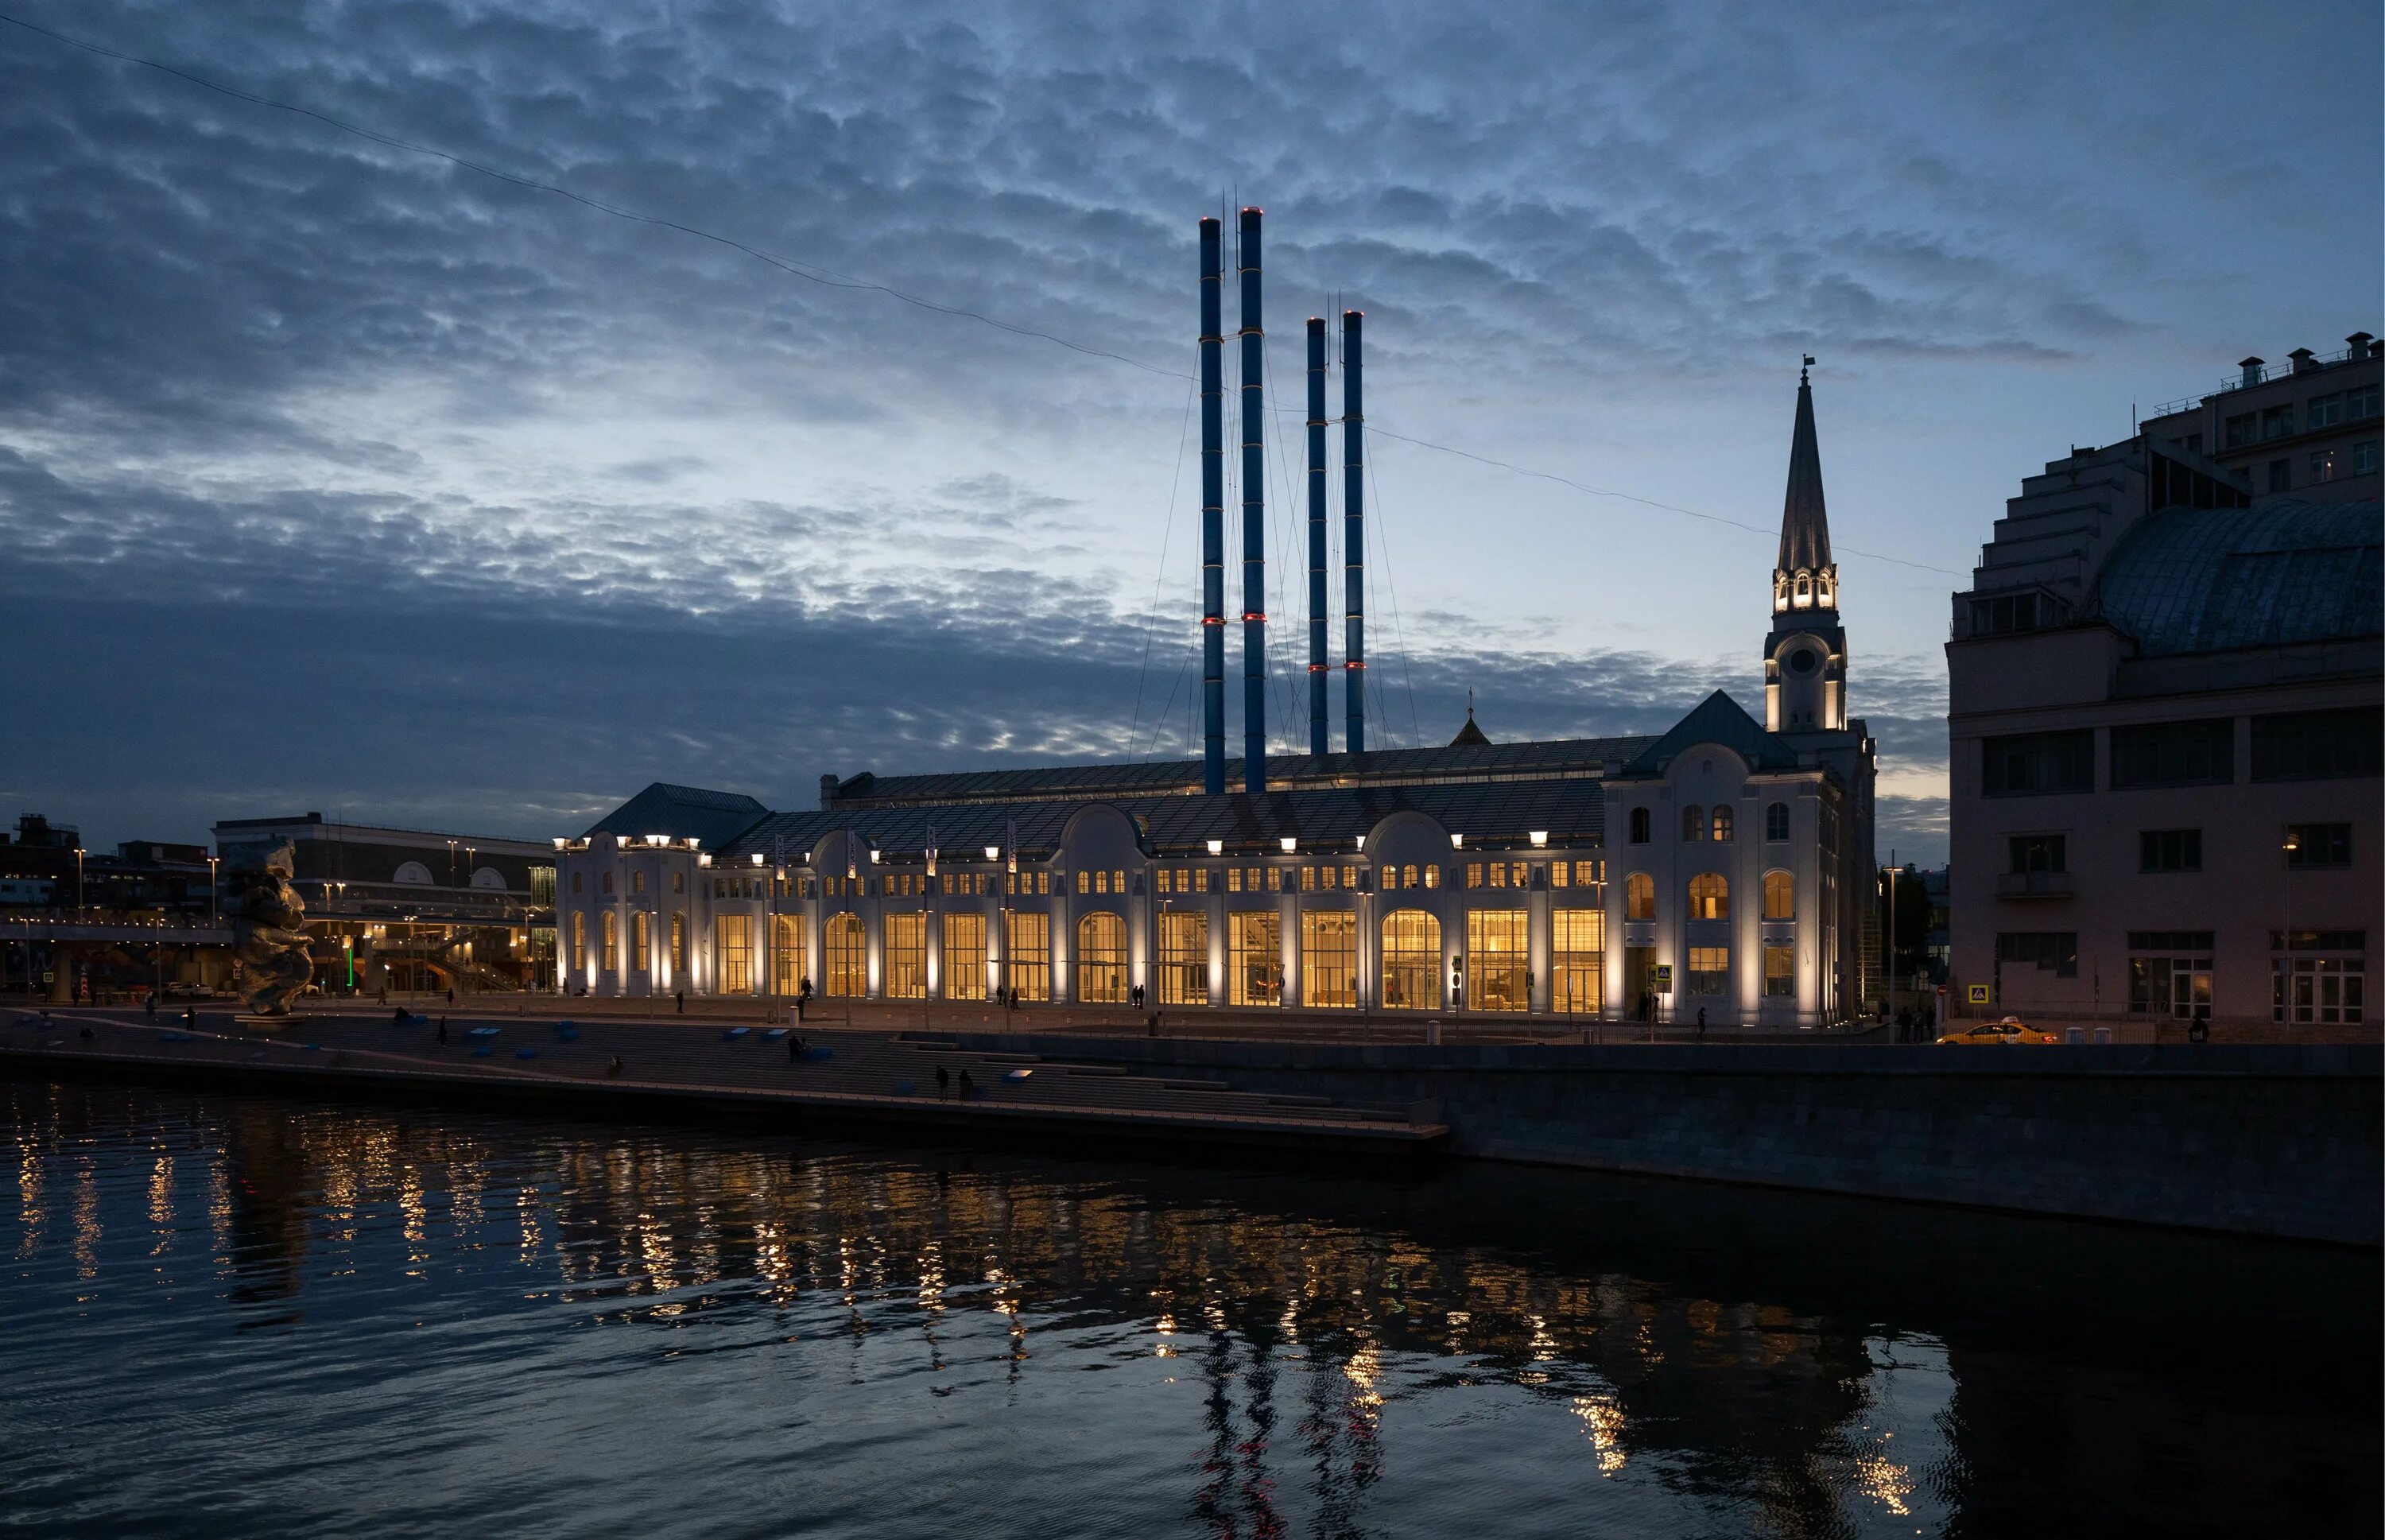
[335, 475]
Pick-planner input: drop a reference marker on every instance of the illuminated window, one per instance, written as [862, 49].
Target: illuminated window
[1520, 874]
[1275, 878]
[1557, 874]
[1254, 957]
[612, 941]
[1117, 880]
[1639, 896]
[1184, 958]
[1308, 879]
[1084, 882]
[1709, 971]
[1709, 897]
[1779, 896]
[1201, 879]
[1043, 881]
[1776, 821]
[905, 938]
[579, 941]
[1474, 874]
[1495, 959]
[1026, 961]
[964, 955]
[1233, 879]
[1590, 874]
[1498, 874]
[845, 952]
[1391, 879]
[786, 952]
[1329, 957]
[1780, 972]
[1639, 825]
[733, 952]
[641, 954]
[1432, 876]
[1719, 824]
[1101, 960]
[1694, 823]
[1411, 960]
[1576, 960]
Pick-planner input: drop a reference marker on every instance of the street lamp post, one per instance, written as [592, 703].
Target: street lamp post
[78, 883]
[212, 862]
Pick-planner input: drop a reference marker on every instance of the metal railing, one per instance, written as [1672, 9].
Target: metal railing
[2266, 374]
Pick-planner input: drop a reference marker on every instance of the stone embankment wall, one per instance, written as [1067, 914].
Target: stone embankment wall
[2279, 1139]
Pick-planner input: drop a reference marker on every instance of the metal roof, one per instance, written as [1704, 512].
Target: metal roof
[1570, 811]
[1456, 762]
[682, 812]
[2212, 580]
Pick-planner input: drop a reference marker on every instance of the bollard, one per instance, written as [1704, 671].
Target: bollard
[1432, 1034]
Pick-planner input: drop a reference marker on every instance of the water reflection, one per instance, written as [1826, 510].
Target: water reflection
[894, 1339]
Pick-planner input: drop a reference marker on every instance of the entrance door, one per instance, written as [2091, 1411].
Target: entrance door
[1639, 969]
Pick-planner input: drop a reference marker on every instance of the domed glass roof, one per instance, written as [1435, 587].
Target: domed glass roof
[2210, 579]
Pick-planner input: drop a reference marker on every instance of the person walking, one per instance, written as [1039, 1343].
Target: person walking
[190, 1016]
[450, 997]
[943, 1082]
[968, 1086]
[680, 997]
[443, 1031]
[149, 1004]
[1702, 1023]
[794, 1048]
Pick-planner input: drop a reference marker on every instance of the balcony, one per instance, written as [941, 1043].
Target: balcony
[2035, 884]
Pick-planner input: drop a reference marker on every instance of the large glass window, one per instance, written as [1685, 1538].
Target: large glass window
[579, 942]
[1027, 957]
[2177, 987]
[786, 952]
[905, 938]
[2174, 754]
[1329, 957]
[1411, 960]
[2054, 950]
[1639, 896]
[2317, 847]
[679, 946]
[1718, 823]
[845, 955]
[1779, 896]
[1775, 821]
[2024, 763]
[2037, 852]
[733, 953]
[2313, 745]
[1101, 960]
[964, 959]
[1184, 958]
[1576, 960]
[1709, 971]
[1254, 957]
[2319, 991]
[1709, 897]
[1496, 957]
[1639, 825]
[1780, 972]
[641, 942]
[612, 941]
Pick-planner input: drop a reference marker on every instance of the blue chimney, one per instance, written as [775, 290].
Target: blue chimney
[1354, 534]
[1213, 512]
[1253, 516]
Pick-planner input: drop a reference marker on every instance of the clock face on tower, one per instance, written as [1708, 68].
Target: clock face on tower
[1802, 660]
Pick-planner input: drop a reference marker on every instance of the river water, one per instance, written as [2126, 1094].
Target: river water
[246, 1316]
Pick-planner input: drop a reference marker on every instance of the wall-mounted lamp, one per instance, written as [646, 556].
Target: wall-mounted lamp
[1217, 847]
[705, 860]
[1290, 843]
[757, 857]
[873, 857]
[657, 839]
[560, 841]
[1457, 842]
[1540, 838]
[993, 852]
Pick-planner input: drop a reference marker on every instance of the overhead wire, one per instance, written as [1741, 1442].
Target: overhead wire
[1175, 486]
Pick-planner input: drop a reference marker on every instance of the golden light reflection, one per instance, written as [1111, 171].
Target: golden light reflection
[1884, 1480]
[29, 1202]
[1602, 1422]
[87, 1218]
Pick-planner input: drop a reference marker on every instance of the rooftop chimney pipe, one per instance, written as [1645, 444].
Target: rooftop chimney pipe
[1353, 534]
[1213, 510]
[1253, 515]
[1320, 712]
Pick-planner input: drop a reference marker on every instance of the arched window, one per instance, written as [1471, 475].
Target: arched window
[579, 940]
[847, 948]
[575, 882]
[1721, 823]
[1694, 823]
[1709, 897]
[637, 882]
[1639, 825]
[679, 946]
[416, 873]
[642, 957]
[612, 940]
[1779, 896]
[1411, 960]
[1639, 896]
[1101, 960]
[1776, 821]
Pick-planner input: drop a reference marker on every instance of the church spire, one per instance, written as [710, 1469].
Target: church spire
[1805, 577]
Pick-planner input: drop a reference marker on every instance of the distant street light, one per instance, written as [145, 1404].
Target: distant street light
[212, 861]
[78, 850]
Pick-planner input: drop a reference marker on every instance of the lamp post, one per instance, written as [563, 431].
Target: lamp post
[213, 861]
[78, 850]
[451, 861]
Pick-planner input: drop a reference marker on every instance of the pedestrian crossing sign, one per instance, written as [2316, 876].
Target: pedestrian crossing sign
[1979, 994]
[1660, 978]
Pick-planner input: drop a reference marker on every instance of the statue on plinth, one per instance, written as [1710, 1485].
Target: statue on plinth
[268, 934]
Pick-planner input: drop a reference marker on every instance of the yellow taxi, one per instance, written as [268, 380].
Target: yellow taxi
[2012, 1029]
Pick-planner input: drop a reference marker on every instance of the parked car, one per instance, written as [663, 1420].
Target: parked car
[2012, 1029]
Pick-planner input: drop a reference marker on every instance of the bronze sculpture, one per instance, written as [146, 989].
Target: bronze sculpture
[268, 932]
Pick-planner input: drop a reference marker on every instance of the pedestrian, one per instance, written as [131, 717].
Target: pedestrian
[613, 1068]
[680, 997]
[794, 1048]
[149, 1004]
[443, 1031]
[1701, 1022]
[450, 997]
[968, 1086]
[190, 1016]
[397, 1017]
[943, 1082]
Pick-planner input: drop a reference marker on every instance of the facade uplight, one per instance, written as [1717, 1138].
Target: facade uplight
[993, 852]
[1290, 843]
[1217, 847]
[1540, 838]
[757, 857]
[1457, 842]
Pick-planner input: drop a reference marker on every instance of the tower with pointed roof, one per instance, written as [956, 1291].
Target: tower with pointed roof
[1806, 656]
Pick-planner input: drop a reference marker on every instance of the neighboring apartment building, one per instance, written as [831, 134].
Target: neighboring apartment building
[2166, 716]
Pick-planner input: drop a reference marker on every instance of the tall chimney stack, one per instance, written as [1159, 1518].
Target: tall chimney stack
[1354, 534]
[1253, 515]
[1213, 510]
[1320, 712]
